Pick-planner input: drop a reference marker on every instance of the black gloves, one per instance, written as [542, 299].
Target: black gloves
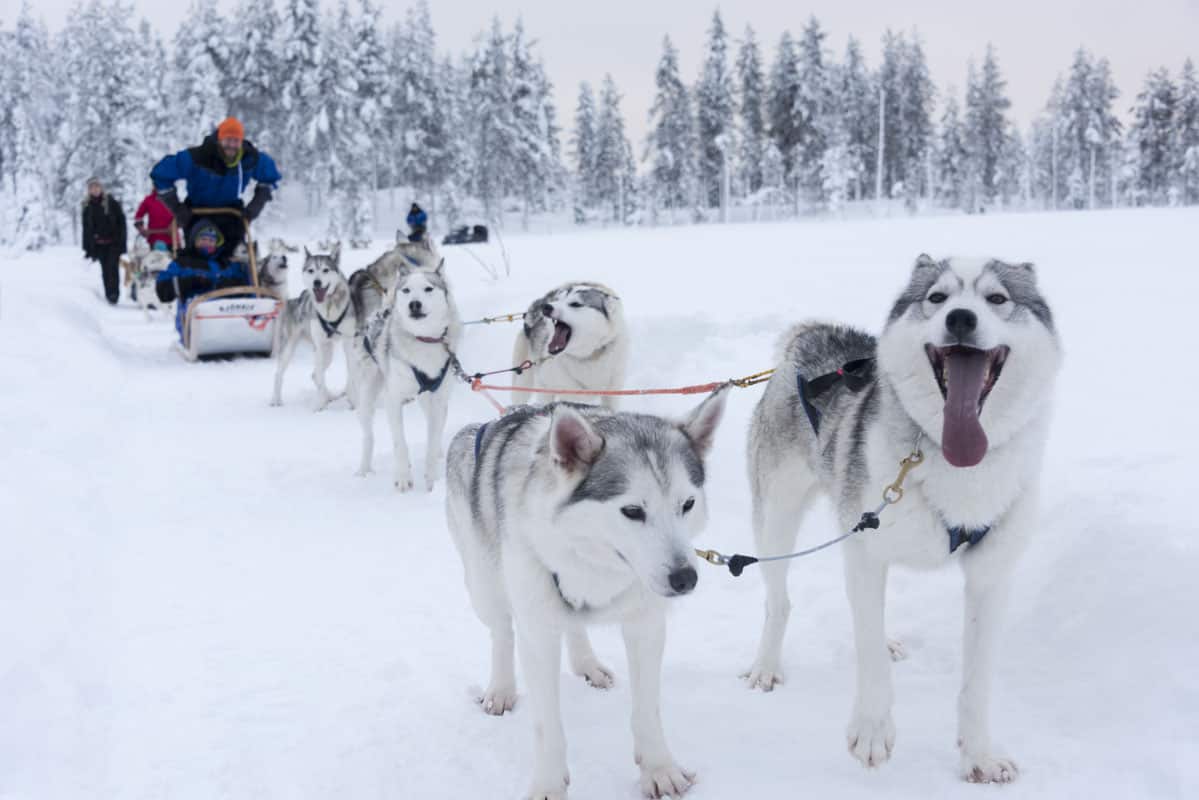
[183, 213]
[262, 195]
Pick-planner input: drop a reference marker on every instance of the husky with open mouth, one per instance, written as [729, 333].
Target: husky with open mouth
[322, 316]
[576, 337]
[963, 372]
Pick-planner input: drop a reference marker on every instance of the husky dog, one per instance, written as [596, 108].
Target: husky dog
[143, 281]
[370, 287]
[577, 338]
[567, 515]
[272, 273]
[321, 314]
[406, 351]
[963, 371]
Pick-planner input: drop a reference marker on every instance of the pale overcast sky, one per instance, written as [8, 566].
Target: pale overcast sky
[1035, 39]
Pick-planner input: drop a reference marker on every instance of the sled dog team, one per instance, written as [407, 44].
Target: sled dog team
[566, 515]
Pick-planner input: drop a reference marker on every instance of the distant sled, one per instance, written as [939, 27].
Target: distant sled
[474, 234]
[238, 317]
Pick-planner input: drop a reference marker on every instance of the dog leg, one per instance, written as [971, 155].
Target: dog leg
[281, 363]
[322, 359]
[777, 515]
[351, 372]
[871, 731]
[645, 639]
[435, 408]
[366, 417]
[583, 661]
[395, 416]
[540, 658]
[987, 580]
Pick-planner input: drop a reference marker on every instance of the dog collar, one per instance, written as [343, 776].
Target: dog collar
[479, 438]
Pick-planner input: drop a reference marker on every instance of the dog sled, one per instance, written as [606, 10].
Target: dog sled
[237, 315]
[474, 234]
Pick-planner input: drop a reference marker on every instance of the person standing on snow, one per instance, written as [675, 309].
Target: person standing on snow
[104, 236]
[157, 227]
[217, 172]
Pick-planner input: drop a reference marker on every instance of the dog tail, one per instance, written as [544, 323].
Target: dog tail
[520, 354]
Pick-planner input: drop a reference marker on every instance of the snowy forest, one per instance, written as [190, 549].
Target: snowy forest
[352, 108]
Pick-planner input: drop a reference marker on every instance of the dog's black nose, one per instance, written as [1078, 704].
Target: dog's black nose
[547, 309]
[961, 322]
[683, 580]
[414, 306]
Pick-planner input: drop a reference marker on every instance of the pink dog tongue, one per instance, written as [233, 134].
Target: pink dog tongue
[963, 440]
[560, 339]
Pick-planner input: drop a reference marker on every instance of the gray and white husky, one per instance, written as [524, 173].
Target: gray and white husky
[567, 515]
[371, 286]
[964, 371]
[406, 352]
[576, 336]
[322, 316]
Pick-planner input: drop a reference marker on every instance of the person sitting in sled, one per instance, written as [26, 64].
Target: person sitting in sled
[153, 221]
[418, 224]
[198, 268]
[217, 172]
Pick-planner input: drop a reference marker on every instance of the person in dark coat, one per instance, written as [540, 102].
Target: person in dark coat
[217, 172]
[104, 236]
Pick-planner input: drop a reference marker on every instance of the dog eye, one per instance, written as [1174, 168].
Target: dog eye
[428, 289]
[688, 504]
[996, 299]
[576, 304]
[937, 298]
[406, 291]
[635, 513]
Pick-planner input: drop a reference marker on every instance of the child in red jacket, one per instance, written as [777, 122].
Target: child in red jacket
[160, 219]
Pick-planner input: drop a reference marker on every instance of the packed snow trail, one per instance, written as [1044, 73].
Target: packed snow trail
[198, 599]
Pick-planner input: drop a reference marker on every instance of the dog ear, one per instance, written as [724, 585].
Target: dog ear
[574, 443]
[440, 271]
[924, 260]
[307, 255]
[700, 425]
[336, 253]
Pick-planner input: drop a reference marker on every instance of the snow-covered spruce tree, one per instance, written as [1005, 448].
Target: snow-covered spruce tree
[714, 113]
[1185, 140]
[1150, 135]
[614, 169]
[952, 159]
[782, 104]
[670, 145]
[338, 136]
[986, 129]
[373, 100]
[7, 131]
[201, 59]
[28, 83]
[1104, 136]
[857, 98]
[255, 64]
[817, 122]
[494, 134]
[299, 92]
[453, 165]
[419, 141]
[751, 113]
[890, 82]
[917, 97]
[1011, 173]
[582, 151]
[538, 168]
[1087, 132]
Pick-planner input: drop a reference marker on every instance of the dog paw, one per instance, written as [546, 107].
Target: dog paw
[404, 485]
[871, 739]
[597, 675]
[276, 402]
[897, 650]
[761, 676]
[666, 780]
[988, 769]
[362, 472]
[549, 789]
[498, 700]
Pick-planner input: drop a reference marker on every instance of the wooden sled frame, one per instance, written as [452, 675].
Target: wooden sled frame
[253, 289]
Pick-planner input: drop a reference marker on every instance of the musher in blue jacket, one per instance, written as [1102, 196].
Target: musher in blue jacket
[216, 172]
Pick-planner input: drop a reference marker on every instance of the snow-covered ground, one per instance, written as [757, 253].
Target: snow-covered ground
[199, 600]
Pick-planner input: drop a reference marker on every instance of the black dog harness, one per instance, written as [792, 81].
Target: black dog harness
[856, 375]
[430, 384]
[330, 328]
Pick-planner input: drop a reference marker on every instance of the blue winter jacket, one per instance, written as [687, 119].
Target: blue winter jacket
[211, 182]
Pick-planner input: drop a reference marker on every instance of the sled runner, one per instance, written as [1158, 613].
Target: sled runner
[235, 315]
